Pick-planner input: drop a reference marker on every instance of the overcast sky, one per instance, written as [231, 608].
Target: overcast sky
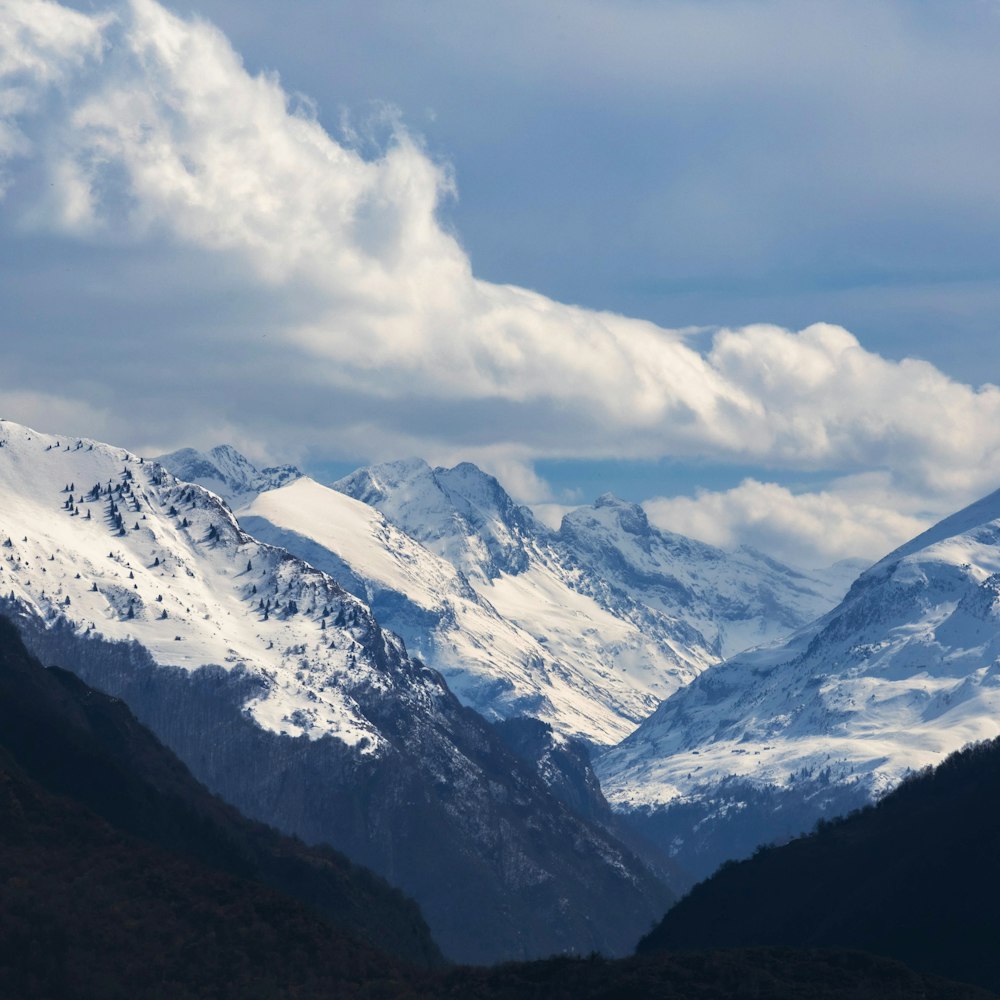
[736, 259]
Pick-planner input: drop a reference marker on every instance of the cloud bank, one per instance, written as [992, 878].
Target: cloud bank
[851, 519]
[193, 257]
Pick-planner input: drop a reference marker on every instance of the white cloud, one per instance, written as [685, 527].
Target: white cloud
[41, 43]
[854, 519]
[54, 411]
[46, 40]
[280, 282]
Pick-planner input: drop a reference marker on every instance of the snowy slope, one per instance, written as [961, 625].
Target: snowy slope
[905, 670]
[461, 514]
[612, 650]
[587, 629]
[734, 599]
[180, 578]
[569, 677]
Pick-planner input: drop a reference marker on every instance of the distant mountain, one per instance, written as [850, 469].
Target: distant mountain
[598, 655]
[281, 692]
[621, 613]
[916, 877]
[587, 629]
[566, 661]
[905, 670]
[84, 746]
[734, 599]
[462, 514]
[226, 472]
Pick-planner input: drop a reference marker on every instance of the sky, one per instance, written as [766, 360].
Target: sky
[733, 259]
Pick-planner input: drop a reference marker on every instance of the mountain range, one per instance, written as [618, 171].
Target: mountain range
[282, 694]
[587, 628]
[541, 735]
[749, 745]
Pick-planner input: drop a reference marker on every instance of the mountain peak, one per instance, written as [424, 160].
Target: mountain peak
[630, 516]
[462, 513]
[400, 470]
[372, 484]
[472, 489]
[227, 472]
[609, 500]
[979, 513]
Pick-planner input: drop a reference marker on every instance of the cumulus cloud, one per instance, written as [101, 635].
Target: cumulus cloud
[255, 272]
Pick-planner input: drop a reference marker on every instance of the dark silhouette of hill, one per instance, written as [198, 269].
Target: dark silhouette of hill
[760, 973]
[121, 877]
[85, 746]
[88, 912]
[916, 876]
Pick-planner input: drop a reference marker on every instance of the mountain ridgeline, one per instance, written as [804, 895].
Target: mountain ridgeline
[587, 628]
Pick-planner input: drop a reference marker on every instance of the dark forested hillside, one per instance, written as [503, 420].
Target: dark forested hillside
[121, 878]
[79, 743]
[761, 974]
[916, 877]
[86, 911]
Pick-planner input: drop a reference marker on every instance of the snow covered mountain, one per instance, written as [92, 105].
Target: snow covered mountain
[490, 662]
[621, 613]
[905, 670]
[283, 694]
[587, 629]
[462, 514]
[734, 599]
